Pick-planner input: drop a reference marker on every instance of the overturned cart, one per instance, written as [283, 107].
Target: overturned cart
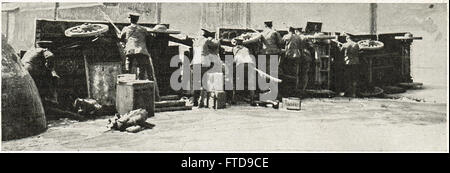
[89, 65]
[385, 65]
[385, 59]
[389, 68]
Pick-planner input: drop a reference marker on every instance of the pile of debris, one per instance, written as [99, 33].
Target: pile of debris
[87, 107]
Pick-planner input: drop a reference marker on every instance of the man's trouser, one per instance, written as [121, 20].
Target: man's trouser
[268, 58]
[142, 66]
[353, 74]
[46, 85]
[289, 69]
[303, 74]
[43, 85]
[339, 76]
[248, 78]
[198, 82]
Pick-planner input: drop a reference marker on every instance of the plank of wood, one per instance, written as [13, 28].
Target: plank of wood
[170, 103]
[166, 109]
[86, 69]
[320, 93]
[170, 97]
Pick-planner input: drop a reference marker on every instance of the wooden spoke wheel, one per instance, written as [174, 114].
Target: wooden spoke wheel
[370, 44]
[86, 30]
[411, 85]
[373, 92]
[393, 89]
[320, 93]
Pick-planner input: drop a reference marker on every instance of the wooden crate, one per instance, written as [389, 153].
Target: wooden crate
[218, 100]
[292, 103]
[133, 95]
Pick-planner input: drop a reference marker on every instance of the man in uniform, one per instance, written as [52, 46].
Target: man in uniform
[339, 65]
[298, 31]
[39, 62]
[352, 64]
[136, 51]
[271, 41]
[305, 61]
[271, 45]
[206, 52]
[245, 63]
[289, 64]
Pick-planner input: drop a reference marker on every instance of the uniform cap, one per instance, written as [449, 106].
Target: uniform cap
[132, 14]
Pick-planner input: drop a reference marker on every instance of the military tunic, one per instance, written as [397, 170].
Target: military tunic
[205, 51]
[270, 39]
[36, 61]
[135, 36]
[245, 62]
[292, 46]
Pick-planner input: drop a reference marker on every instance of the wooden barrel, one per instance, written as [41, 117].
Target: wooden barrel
[22, 110]
[373, 92]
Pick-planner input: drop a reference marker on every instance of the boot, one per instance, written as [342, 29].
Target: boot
[252, 98]
[196, 97]
[202, 100]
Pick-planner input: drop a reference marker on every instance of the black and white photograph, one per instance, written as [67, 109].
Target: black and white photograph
[225, 76]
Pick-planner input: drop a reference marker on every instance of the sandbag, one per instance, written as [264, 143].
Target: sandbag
[133, 118]
[87, 106]
[22, 110]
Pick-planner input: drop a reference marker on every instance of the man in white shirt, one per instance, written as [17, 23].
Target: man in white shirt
[206, 54]
[245, 65]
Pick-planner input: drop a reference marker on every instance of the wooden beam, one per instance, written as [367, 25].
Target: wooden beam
[158, 13]
[248, 15]
[203, 15]
[222, 17]
[180, 108]
[55, 17]
[7, 26]
[170, 103]
[86, 70]
[373, 18]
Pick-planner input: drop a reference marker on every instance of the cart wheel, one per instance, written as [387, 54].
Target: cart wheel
[393, 89]
[86, 30]
[370, 44]
[320, 93]
[411, 85]
[373, 92]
